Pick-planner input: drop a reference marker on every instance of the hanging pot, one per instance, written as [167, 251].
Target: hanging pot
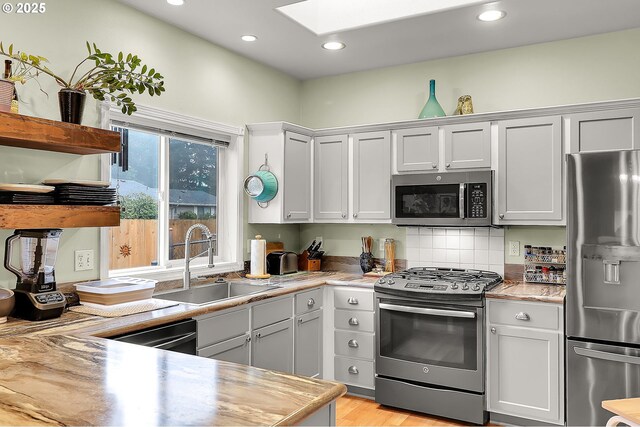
[71, 105]
[7, 88]
[261, 186]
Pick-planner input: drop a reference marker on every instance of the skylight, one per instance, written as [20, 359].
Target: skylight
[331, 16]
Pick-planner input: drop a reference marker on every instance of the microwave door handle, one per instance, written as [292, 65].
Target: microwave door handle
[428, 311]
[605, 355]
[461, 201]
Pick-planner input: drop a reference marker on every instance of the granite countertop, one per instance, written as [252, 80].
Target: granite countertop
[522, 291]
[67, 380]
[60, 371]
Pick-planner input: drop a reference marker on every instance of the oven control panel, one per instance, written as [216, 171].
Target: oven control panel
[426, 287]
[477, 206]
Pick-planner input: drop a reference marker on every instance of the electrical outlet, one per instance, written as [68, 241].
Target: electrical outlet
[514, 248]
[84, 260]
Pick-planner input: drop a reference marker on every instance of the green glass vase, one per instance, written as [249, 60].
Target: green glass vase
[432, 108]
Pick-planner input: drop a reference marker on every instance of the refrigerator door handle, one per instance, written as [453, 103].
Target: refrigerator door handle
[611, 271]
[605, 355]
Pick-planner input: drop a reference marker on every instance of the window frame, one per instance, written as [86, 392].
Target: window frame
[229, 208]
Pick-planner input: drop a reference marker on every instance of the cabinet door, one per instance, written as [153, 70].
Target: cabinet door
[308, 345]
[272, 347]
[467, 146]
[530, 170]
[524, 372]
[417, 149]
[330, 179]
[235, 350]
[372, 176]
[297, 177]
[604, 130]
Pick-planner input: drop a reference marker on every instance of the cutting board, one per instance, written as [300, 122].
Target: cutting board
[274, 247]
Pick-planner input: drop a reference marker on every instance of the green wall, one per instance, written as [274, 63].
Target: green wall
[202, 80]
[587, 69]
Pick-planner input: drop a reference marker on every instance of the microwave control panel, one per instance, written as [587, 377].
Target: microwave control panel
[477, 206]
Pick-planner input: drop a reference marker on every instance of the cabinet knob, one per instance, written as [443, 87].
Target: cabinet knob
[352, 301]
[522, 316]
[448, 165]
[353, 344]
[248, 338]
[501, 216]
[289, 215]
[344, 215]
[258, 335]
[493, 330]
[311, 302]
[300, 321]
[355, 215]
[434, 166]
[353, 321]
[353, 370]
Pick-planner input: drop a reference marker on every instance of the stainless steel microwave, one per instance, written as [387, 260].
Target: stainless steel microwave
[451, 199]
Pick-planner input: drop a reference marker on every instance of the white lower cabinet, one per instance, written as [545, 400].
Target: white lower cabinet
[272, 347]
[525, 360]
[308, 344]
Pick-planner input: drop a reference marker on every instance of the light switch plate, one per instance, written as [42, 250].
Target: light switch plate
[84, 260]
[514, 248]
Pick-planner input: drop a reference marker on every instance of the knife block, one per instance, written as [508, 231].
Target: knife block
[306, 264]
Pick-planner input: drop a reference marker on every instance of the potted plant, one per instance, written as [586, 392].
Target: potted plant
[107, 76]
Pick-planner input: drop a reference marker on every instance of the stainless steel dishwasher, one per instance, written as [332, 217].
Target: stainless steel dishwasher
[179, 337]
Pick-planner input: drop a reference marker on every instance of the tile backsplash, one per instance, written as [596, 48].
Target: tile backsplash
[479, 248]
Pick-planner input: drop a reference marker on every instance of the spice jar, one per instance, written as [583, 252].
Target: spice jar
[545, 274]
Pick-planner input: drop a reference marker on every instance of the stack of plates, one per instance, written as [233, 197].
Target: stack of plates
[83, 192]
[26, 194]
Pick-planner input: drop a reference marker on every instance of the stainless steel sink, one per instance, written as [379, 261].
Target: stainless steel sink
[218, 291]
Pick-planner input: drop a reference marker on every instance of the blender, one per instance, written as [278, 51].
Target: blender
[36, 294]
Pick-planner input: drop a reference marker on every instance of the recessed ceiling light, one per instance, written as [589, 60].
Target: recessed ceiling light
[175, 2]
[491, 15]
[249, 38]
[334, 45]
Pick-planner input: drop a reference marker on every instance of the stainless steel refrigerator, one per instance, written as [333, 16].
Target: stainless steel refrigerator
[603, 283]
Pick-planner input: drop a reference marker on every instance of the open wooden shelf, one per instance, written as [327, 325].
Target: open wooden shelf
[58, 216]
[21, 131]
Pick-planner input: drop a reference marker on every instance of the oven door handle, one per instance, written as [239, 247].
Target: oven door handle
[428, 311]
[605, 355]
[461, 202]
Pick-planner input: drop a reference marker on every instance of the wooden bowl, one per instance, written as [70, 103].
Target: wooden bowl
[7, 302]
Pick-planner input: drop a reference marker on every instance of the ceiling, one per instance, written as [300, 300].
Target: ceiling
[288, 46]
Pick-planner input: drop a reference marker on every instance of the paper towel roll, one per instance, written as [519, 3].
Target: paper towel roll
[258, 256]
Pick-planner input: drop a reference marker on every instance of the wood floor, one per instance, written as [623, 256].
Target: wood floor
[357, 411]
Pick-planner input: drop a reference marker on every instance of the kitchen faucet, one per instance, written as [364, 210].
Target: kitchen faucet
[187, 251]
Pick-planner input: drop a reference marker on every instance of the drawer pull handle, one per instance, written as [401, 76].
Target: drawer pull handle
[353, 301]
[353, 344]
[353, 370]
[353, 321]
[311, 302]
[522, 316]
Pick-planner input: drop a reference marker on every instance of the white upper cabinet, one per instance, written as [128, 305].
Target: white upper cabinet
[331, 180]
[371, 176]
[529, 172]
[604, 130]
[417, 149]
[297, 176]
[288, 156]
[467, 146]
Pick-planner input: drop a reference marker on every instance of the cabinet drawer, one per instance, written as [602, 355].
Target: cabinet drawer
[221, 327]
[354, 344]
[353, 299]
[527, 314]
[308, 301]
[272, 312]
[353, 371]
[353, 320]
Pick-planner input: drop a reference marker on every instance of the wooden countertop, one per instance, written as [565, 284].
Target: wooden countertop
[65, 380]
[60, 372]
[522, 291]
[628, 409]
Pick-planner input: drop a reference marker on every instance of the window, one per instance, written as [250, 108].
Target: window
[170, 176]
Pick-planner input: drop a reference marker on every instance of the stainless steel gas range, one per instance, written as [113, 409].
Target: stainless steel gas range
[430, 341]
